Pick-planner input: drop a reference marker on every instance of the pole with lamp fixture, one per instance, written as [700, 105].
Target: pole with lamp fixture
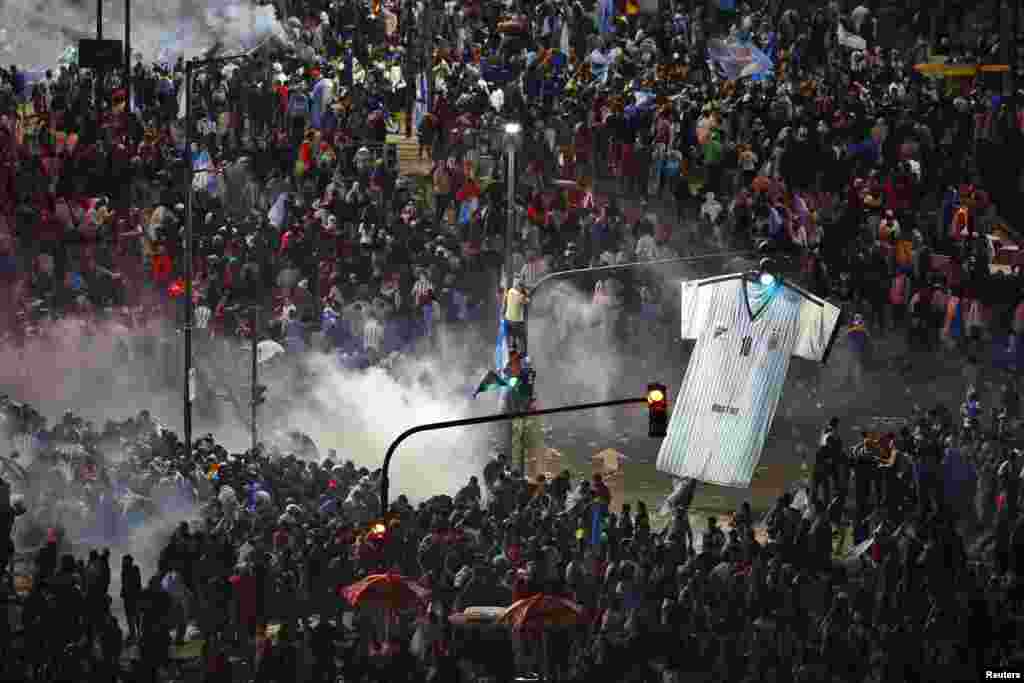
[513, 138]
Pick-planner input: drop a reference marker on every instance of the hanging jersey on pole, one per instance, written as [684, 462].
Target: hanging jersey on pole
[746, 333]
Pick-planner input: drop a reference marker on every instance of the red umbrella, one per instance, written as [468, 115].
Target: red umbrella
[540, 612]
[388, 591]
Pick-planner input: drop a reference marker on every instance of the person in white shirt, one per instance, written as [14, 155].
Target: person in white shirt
[711, 210]
[201, 320]
[373, 334]
[421, 291]
[646, 248]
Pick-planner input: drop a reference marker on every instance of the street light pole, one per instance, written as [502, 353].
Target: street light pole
[512, 132]
[128, 55]
[98, 73]
[254, 375]
[385, 482]
[510, 225]
[189, 174]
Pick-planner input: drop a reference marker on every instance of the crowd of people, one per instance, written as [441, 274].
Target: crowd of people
[894, 192]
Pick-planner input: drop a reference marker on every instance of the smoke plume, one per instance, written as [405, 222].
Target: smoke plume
[35, 33]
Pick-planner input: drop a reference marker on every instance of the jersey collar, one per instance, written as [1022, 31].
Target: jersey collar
[755, 309]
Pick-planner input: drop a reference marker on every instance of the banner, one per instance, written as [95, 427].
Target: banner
[850, 40]
[420, 107]
[735, 61]
[605, 16]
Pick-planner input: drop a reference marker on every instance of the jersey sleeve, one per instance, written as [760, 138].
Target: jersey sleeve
[819, 322]
[696, 301]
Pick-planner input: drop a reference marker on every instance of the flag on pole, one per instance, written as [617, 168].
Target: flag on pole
[492, 381]
[606, 16]
[956, 326]
[501, 347]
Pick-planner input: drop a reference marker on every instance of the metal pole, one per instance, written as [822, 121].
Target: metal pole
[254, 375]
[189, 172]
[428, 21]
[188, 255]
[1007, 35]
[467, 422]
[1014, 28]
[510, 181]
[98, 75]
[128, 55]
[511, 209]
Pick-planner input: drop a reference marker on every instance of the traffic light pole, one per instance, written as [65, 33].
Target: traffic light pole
[486, 419]
[255, 379]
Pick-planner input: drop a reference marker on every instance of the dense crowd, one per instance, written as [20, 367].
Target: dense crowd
[894, 191]
[270, 537]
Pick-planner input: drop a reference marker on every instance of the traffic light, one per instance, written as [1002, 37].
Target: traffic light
[657, 410]
[259, 394]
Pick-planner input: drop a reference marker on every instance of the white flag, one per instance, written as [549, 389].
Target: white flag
[850, 40]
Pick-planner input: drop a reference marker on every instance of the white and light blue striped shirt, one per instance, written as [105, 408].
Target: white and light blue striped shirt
[746, 334]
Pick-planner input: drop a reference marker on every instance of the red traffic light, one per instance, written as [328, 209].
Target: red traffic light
[657, 410]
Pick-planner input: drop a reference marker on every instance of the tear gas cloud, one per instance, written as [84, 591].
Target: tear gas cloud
[571, 348]
[36, 32]
[357, 413]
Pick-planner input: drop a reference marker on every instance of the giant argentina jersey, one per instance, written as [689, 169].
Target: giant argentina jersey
[746, 333]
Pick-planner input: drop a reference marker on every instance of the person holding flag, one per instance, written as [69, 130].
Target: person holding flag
[514, 314]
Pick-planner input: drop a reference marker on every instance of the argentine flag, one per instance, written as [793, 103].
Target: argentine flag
[501, 347]
[606, 16]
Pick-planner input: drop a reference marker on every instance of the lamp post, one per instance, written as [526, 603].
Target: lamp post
[513, 132]
[128, 55]
[190, 374]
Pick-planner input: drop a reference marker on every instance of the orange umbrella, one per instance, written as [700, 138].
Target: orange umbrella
[388, 591]
[541, 611]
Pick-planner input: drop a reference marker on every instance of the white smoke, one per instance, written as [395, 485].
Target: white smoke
[35, 34]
